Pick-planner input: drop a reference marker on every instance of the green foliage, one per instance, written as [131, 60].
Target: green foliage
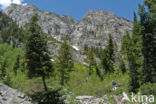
[91, 61]
[37, 52]
[8, 56]
[17, 64]
[13, 35]
[10, 32]
[83, 84]
[110, 48]
[3, 67]
[135, 56]
[106, 63]
[17, 80]
[107, 58]
[64, 61]
[52, 96]
[122, 66]
[147, 22]
[126, 42]
[148, 89]
[4, 21]
[139, 50]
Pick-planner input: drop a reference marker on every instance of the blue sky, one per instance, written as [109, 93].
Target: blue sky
[78, 8]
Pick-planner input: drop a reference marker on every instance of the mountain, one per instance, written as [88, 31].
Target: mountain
[91, 31]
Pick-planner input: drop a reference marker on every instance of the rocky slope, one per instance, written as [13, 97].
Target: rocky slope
[92, 30]
[12, 96]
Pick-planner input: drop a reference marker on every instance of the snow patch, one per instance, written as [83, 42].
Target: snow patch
[76, 48]
[85, 63]
[52, 59]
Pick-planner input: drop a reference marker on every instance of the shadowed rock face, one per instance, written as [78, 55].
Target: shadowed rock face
[12, 96]
[92, 30]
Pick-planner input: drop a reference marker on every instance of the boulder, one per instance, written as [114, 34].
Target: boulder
[89, 100]
[11, 96]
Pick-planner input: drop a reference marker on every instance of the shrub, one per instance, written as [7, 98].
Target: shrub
[52, 96]
[148, 89]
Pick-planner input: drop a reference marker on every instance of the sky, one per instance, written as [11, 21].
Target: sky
[78, 8]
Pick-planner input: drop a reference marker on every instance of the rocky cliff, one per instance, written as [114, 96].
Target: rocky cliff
[12, 96]
[92, 30]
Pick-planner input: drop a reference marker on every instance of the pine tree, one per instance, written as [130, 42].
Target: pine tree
[122, 66]
[106, 62]
[12, 35]
[107, 58]
[3, 68]
[65, 63]
[4, 20]
[17, 64]
[126, 42]
[110, 48]
[37, 52]
[148, 23]
[91, 61]
[135, 56]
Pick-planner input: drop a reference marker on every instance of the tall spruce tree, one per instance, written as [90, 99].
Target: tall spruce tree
[148, 24]
[110, 48]
[37, 52]
[126, 42]
[135, 56]
[65, 63]
[122, 66]
[107, 58]
[91, 61]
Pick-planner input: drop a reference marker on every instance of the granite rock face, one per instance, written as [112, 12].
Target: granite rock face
[11, 96]
[51, 23]
[91, 31]
[94, 28]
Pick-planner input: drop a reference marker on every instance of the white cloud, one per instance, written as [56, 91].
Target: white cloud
[6, 3]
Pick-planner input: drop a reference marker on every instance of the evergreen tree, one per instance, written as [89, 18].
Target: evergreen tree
[122, 66]
[91, 61]
[4, 20]
[3, 66]
[110, 48]
[12, 35]
[37, 52]
[17, 64]
[10, 32]
[148, 24]
[135, 56]
[106, 62]
[107, 58]
[65, 63]
[93, 68]
[126, 42]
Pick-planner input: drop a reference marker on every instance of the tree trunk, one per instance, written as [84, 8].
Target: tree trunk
[44, 83]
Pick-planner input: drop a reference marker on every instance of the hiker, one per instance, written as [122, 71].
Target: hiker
[114, 85]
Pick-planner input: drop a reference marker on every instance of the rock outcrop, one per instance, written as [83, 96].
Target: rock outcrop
[11, 96]
[94, 28]
[89, 100]
[91, 31]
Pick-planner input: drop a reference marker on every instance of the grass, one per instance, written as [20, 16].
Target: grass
[80, 83]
